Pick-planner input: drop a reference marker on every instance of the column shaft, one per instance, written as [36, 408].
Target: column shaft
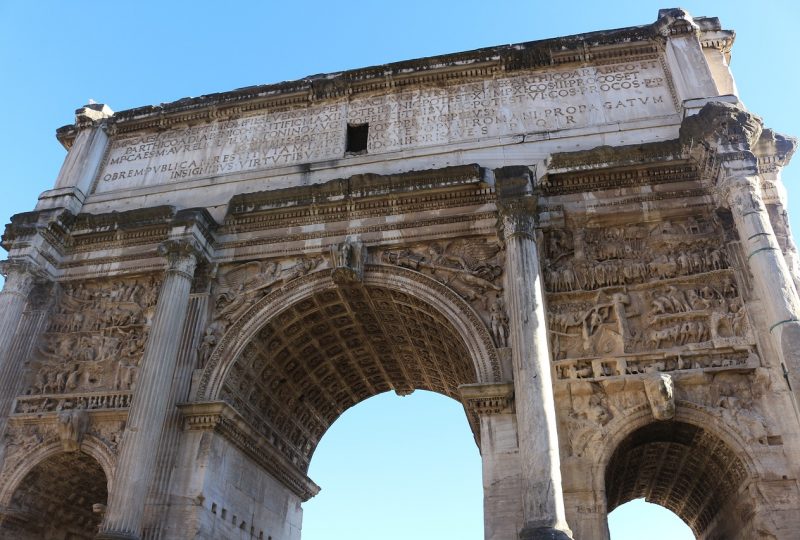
[20, 278]
[148, 411]
[771, 275]
[543, 500]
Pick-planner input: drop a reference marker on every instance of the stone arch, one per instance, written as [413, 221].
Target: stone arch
[672, 463]
[312, 349]
[91, 445]
[471, 328]
[54, 490]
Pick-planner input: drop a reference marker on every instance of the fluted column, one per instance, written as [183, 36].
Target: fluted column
[134, 472]
[542, 495]
[20, 279]
[771, 275]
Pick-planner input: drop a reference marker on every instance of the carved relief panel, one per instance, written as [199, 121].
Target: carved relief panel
[643, 297]
[89, 354]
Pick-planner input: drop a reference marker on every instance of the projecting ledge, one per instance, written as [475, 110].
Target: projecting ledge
[221, 418]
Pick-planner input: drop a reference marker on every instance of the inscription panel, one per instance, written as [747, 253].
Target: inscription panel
[546, 100]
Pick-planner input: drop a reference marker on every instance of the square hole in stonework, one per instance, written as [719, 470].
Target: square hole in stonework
[357, 135]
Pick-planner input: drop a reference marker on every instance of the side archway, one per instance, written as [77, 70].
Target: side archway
[690, 465]
[53, 492]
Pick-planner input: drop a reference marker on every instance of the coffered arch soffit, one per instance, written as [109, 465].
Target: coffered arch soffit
[464, 322]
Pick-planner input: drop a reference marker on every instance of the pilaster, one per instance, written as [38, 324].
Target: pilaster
[492, 406]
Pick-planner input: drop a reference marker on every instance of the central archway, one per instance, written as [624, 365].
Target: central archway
[303, 354]
[335, 348]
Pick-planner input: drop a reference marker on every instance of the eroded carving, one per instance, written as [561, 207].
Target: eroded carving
[241, 285]
[348, 260]
[94, 340]
[595, 258]
[72, 426]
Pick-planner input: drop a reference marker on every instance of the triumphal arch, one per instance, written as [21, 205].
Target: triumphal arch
[583, 240]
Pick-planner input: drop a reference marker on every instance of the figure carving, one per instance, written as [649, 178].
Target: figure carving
[470, 268]
[348, 261]
[72, 426]
[633, 254]
[499, 322]
[95, 337]
[242, 285]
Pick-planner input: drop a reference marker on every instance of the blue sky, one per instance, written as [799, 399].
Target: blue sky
[56, 55]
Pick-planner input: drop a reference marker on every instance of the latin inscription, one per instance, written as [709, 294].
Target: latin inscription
[538, 101]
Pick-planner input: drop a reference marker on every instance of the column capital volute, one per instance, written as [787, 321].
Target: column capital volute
[182, 255]
[21, 276]
[518, 217]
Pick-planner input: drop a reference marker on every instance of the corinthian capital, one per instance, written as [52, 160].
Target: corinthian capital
[182, 256]
[20, 276]
[516, 201]
[518, 217]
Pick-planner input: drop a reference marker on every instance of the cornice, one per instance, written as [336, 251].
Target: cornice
[358, 197]
[607, 167]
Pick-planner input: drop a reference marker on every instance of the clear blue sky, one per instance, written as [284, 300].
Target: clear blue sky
[389, 459]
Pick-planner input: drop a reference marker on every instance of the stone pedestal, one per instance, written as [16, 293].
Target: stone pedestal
[136, 464]
[543, 502]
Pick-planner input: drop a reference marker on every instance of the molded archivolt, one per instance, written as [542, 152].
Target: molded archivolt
[679, 466]
[335, 348]
[57, 496]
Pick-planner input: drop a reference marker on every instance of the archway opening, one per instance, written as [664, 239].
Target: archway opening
[638, 518]
[397, 468]
[679, 466]
[333, 349]
[62, 497]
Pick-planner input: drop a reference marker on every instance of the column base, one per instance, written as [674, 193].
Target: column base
[115, 535]
[544, 533]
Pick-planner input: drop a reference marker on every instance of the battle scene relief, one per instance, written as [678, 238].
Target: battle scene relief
[644, 297]
[89, 353]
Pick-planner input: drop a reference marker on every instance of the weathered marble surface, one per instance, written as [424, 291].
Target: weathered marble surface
[582, 239]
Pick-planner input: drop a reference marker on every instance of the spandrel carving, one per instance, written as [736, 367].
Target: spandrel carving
[241, 285]
[94, 340]
[590, 411]
[471, 268]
